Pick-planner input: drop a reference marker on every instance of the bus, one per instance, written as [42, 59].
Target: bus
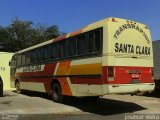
[110, 56]
[5, 57]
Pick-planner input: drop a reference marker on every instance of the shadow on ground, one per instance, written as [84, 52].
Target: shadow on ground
[155, 93]
[102, 107]
[106, 106]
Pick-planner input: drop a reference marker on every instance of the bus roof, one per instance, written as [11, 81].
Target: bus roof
[89, 27]
[6, 53]
[35, 46]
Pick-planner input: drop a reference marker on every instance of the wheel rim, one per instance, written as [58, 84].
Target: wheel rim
[18, 87]
[55, 94]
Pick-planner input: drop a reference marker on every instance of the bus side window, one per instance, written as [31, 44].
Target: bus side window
[53, 51]
[90, 42]
[46, 53]
[81, 44]
[97, 41]
[32, 56]
[61, 49]
[14, 62]
[39, 54]
[35, 56]
[28, 57]
[71, 46]
[23, 59]
[94, 42]
[19, 59]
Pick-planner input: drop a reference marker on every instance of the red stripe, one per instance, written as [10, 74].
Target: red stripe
[59, 38]
[121, 76]
[75, 33]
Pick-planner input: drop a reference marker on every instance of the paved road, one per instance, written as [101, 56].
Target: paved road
[37, 106]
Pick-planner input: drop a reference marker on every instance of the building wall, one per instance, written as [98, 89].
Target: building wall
[156, 57]
[5, 69]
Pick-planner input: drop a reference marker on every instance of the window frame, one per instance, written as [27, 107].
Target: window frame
[19, 59]
[69, 40]
[85, 39]
[23, 58]
[48, 53]
[59, 43]
[51, 49]
[39, 51]
[100, 44]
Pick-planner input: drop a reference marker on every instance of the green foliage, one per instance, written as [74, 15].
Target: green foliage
[22, 34]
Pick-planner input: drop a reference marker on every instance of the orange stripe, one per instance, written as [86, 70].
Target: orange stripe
[65, 86]
[70, 35]
[89, 69]
[63, 68]
[75, 33]
[59, 38]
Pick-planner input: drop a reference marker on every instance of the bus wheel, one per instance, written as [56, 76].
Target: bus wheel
[57, 93]
[1, 87]
[18, 89]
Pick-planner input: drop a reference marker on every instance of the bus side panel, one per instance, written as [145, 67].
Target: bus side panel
[36, 79]
[79, 75]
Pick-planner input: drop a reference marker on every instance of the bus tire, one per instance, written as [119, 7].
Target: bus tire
[56, 93]
[1, 87]
[18, 88]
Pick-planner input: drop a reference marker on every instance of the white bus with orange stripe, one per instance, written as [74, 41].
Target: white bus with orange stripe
[109, 56]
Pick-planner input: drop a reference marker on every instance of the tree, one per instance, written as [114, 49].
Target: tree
[52, 32]
[19, 35]
[22, 34]
[3, 38]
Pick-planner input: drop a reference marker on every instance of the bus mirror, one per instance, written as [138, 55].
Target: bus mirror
[9, 63]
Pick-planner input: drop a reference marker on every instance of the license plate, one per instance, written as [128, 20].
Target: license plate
[134, 81]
